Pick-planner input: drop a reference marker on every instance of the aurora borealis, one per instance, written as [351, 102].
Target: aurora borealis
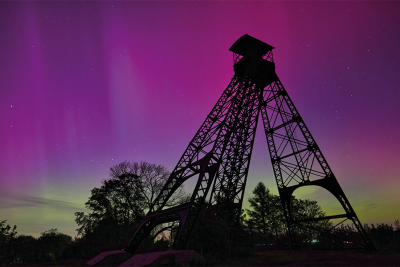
[88, 84]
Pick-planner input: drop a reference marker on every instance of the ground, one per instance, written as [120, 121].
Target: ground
[265, 257]
[323, 258]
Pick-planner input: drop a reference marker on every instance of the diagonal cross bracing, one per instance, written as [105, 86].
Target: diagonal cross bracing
[219, 154]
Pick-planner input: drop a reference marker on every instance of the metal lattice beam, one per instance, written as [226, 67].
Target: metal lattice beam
[220, 152]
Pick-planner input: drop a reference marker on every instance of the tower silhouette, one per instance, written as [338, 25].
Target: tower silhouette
[220, 152]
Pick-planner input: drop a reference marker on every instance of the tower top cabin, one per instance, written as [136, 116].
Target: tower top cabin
[250, 46]
[252, 59]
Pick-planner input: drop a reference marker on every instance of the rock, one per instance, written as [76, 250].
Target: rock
[165, 258]
[102, 255]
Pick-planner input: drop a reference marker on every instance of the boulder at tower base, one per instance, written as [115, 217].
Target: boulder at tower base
[165, 258]
[124, 259]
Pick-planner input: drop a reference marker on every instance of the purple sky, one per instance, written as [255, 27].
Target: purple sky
[86, 85]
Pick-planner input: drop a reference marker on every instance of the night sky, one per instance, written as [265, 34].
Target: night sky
[87, 85]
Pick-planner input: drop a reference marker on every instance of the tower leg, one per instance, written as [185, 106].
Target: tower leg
[186, 213]
[221, 151]
[297, 160]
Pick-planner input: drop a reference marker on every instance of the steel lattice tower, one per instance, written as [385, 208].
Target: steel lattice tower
[220, 152]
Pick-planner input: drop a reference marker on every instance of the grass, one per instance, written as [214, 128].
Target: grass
[265, 257]
[279, 257]
[323, 258]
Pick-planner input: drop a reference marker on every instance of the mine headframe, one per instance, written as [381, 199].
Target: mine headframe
[219, 154]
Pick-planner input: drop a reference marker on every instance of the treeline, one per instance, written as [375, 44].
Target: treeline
[264, 226]
[212, 238]
[23, 249]
[117, 208]
[385, 237]
[267, 226]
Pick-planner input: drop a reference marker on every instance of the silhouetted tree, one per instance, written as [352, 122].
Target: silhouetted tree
[118, 206]
[384, 236]
[23, 249]
[267, 215]
[7, 237]
[397, 225]
[52, 244]
[209, 236]
[309, 209]
[26, 249]
[5, 233]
